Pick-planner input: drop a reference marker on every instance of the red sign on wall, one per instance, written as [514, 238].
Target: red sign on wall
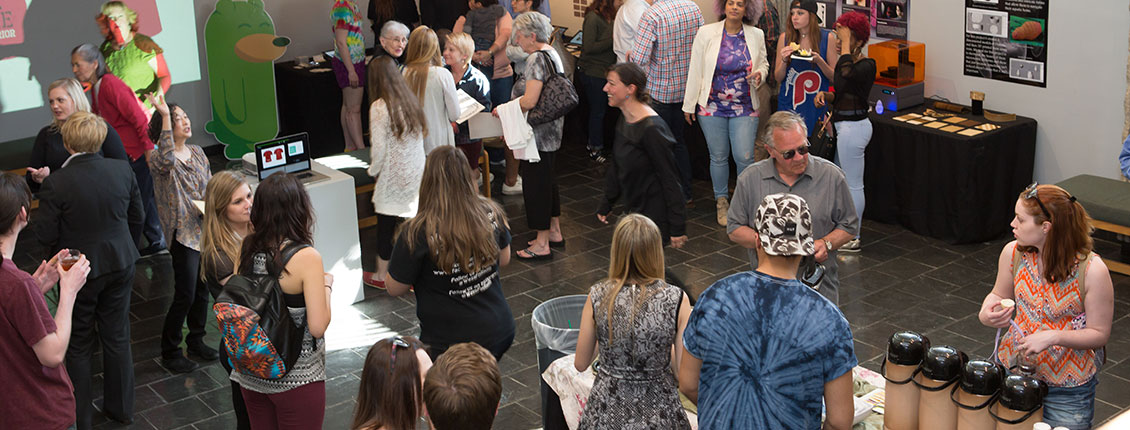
[12, 21]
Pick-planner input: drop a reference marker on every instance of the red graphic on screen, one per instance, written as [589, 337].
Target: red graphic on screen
[274, 155]
[148, 22]
[12, 21]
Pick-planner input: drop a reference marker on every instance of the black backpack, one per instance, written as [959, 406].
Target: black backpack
[261, 338]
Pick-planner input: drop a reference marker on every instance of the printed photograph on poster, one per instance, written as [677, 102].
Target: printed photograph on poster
[1007, 41]
[986, 22]
[890, 19]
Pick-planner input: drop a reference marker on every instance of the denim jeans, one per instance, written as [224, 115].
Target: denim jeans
[724, 136]
[598, 107]
[852, 138]
[1072, 407]
[500, 90]
[672, 114]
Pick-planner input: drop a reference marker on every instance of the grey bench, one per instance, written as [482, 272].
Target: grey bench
[1108, 203]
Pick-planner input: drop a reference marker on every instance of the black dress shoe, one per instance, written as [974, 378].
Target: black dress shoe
[179, 364]
[203, 352]
[153, 250]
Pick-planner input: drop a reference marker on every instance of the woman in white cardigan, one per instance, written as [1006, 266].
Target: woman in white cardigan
[433, 86]
[727, 63]
[396, 157]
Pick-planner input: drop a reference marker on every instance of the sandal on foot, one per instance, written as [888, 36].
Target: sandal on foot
[526, 254]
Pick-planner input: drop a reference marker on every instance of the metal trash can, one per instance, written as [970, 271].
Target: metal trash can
[556, 324]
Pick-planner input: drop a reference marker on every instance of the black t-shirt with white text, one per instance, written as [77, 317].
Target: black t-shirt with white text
[456, 307]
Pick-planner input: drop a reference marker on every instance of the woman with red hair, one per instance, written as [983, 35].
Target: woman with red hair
[852, 78]
[1063, 298]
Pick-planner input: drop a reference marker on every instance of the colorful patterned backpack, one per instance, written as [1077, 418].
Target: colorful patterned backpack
[261, 338]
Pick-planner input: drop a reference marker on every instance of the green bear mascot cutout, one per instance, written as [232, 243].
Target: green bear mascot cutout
[241, 44]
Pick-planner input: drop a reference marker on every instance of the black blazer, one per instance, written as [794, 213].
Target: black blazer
[49, 151]
[92, 205]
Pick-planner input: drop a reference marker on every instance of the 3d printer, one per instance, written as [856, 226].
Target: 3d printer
[901, 67]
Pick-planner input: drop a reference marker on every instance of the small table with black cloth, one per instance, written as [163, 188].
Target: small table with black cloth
[956, 188]
[310, 102]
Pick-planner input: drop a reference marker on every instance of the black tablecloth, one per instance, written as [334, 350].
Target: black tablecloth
[311, 102]
[956, 188]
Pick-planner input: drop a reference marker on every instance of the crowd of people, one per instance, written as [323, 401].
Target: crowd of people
[733, 352]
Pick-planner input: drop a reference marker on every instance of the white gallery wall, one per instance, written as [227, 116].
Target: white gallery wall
[1080, 113]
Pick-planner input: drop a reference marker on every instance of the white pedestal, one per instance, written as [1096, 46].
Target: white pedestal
[335, 233]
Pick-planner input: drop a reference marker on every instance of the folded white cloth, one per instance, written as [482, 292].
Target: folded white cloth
[517, 132]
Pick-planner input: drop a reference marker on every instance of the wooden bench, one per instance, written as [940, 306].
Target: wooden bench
[1108, 203]
[356, 164]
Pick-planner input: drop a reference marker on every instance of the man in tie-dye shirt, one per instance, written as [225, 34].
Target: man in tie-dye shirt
[762, 349]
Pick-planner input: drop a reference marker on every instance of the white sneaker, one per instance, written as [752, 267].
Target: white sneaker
[851, 246]
[490, 178]
[513, 190]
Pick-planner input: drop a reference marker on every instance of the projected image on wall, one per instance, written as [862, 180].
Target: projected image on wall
[36, 38]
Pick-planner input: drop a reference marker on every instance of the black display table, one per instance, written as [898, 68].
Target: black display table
[960, 189]
[310, 101]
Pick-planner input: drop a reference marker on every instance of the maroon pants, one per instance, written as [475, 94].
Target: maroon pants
[300, 408]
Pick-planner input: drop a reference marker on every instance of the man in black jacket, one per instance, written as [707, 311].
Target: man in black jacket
[93, 204]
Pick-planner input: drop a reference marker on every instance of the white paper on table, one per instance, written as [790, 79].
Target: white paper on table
[468, 106]
[483, 125]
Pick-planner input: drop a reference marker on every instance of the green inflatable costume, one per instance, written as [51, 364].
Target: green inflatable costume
[241, 44]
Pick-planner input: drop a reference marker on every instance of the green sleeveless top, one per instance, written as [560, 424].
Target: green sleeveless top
[131, 64]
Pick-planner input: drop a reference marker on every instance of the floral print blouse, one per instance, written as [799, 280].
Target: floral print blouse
[729, 91]
[176, 184]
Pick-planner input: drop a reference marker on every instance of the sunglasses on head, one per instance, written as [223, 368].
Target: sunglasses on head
[788, 155]
[397, 342]
[1032, 192]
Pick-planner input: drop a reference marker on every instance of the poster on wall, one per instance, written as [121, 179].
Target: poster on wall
[1006, 40]
[888, 17]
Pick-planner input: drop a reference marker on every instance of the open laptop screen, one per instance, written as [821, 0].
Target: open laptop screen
[285, 154]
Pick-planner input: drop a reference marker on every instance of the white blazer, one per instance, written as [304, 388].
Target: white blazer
[704, 57]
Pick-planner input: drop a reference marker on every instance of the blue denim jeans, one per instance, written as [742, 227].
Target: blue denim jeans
[152, 228]
[598, 107]
[1072, 407]
[852, 138]
[672, 114]
[724, 136]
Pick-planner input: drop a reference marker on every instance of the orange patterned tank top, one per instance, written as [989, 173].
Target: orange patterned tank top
[1042, 305]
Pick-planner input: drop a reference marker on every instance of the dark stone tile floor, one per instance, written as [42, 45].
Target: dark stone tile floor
[898, 281]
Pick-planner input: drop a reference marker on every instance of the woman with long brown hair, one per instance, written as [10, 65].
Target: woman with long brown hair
[450, 253]
[433, 85]
[815, 52]
[391, 393]
[283, 219]
[638, 320]
[227, 220]
[396, 156]
[1063, 298]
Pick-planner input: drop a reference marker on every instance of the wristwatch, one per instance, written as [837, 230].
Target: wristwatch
[827, 245]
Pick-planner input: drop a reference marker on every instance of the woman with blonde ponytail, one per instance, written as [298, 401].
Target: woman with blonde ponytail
[638, 320]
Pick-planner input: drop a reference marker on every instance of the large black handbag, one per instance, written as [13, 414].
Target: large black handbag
[823, 140]
[557, 98]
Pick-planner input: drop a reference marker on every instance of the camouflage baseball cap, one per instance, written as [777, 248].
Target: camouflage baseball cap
[784, 225]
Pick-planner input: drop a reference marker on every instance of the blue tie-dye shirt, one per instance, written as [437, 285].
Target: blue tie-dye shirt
[768, 346]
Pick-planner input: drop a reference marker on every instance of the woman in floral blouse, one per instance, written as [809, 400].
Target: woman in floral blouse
[727, 64]
[180, 175]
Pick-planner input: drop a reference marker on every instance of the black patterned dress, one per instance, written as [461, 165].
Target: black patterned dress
[635, 388]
